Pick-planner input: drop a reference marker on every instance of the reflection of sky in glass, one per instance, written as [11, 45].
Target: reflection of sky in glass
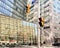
[56, 5]
[30, 24]
[57, 10]
[4, 8]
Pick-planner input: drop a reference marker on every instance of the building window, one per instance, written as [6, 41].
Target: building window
[46, 11]
[58, 9]
[11, 1]
[4, 8]
[54, 6]
[55, 27]
[54, 10]
[46, 1]
[16, 8]
[59, 22]
[46, 6]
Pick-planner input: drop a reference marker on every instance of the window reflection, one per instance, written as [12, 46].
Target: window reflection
[4, 7]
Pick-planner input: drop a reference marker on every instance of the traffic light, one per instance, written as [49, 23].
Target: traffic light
[41, 21]
[28, 8]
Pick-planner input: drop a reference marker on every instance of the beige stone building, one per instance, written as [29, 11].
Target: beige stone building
[13, 28]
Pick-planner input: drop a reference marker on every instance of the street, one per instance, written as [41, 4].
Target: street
[20, 47]
[31, 47]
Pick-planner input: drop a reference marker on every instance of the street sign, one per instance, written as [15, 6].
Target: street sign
[46, 27]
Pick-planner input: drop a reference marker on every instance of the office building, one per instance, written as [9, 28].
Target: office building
[13, 8]
[12, 16]
[50, 10]
[15, 29]
[46, 13]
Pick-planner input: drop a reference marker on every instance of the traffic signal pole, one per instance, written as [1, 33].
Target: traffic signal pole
[41, 34]
[38, 33]
[27, 17]
[27, 10]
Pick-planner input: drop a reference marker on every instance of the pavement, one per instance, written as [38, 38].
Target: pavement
[21, 47]
[50, 47]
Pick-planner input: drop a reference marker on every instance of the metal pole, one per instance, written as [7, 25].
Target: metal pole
[40, 37]
[27, 17]
[41, 34]
[38, 33]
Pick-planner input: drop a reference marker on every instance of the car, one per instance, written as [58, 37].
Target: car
[7, 45]
[56, 44]
[3, 44]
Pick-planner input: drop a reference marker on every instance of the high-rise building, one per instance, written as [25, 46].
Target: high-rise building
[46, 13]
[33, 15]
[13, 8]
[16, 29]
[50, 10]
[56, 14]
[13, 22]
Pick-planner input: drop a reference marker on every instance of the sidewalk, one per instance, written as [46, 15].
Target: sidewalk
[50, 47]
[33, 47]
[45, 47]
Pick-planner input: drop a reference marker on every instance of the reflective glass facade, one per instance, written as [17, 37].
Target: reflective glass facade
[56, 6]
[12, 28]
[15, 8]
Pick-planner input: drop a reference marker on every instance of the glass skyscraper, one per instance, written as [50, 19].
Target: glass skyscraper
[13, 25]
[14, 8]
